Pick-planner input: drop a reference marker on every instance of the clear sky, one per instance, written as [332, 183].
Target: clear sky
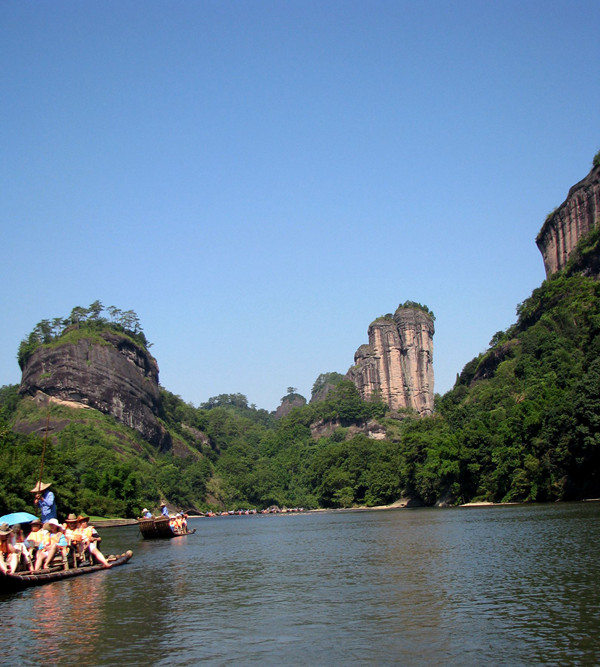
[259, 180]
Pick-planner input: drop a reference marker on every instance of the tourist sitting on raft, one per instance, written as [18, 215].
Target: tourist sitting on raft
[53, 541]
[9, 558]
[35, 536]
[84, 538]
[22, 546]
[72, 533]
[13, 549]
[90, 539]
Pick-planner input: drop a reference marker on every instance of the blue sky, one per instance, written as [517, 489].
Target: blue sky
[260, 180]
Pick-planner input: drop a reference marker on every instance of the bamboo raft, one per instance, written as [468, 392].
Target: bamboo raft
[11, 583]
[159, 527]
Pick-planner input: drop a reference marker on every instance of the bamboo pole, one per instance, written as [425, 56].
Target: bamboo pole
[44, 451]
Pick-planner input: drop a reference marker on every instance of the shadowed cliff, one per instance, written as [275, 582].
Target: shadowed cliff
[575, 218]
[102, 370]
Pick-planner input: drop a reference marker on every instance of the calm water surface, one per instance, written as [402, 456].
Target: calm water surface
[504, 586]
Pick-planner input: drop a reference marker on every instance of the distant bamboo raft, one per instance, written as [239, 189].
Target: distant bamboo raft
[159, 528]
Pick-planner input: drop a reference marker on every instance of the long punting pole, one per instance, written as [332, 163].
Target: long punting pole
[44, 449]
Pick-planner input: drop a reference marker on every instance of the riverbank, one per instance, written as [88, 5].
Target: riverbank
[105, 523]
[403, 503]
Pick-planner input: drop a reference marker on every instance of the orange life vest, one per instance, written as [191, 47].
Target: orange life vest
[36, 537]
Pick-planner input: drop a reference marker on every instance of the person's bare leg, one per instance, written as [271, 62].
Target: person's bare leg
[98, 555]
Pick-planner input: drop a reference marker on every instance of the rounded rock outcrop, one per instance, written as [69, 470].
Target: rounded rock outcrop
[108, 372]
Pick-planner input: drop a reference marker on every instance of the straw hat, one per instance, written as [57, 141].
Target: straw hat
[5, 529]
[36, 522]
[40, 486]
[71, 519]
[83, 518]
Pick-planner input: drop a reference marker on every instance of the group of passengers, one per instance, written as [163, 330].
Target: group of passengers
[75, 538]
[178, 521]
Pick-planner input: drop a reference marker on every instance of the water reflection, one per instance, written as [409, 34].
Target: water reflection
[52, 627]
[513, 585]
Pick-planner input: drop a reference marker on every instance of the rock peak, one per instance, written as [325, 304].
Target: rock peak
[397, 363]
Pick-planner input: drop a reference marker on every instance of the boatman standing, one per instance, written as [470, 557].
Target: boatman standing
[44, 499]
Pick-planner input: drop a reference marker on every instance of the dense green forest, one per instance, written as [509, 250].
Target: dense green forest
[521, 424]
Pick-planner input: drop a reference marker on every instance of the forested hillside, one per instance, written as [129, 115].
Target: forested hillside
[521, 424]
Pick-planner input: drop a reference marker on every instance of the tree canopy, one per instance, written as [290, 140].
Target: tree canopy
[48, 331]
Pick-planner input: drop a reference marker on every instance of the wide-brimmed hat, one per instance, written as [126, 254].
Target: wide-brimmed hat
[53, 522]
[5, 529]
[71, 519]
[82, 517]
[36, 522]
[40, 486]
[145, 510]
[163, 503]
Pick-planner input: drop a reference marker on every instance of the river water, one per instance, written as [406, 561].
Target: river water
[513, 585]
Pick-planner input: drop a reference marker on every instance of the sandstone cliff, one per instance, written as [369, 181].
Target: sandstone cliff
[397, 363]
[108, 372]
[574, 218]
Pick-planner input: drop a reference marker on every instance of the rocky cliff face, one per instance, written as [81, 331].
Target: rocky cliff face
[574, 218]
[115, 376]
[397, 363]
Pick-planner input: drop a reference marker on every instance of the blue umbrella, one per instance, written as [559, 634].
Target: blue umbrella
[17, 517]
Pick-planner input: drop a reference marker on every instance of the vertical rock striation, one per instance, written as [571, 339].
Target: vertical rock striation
[574, 218]
[397, 363]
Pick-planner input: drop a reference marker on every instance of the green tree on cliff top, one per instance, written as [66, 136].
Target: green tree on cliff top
[46, 331]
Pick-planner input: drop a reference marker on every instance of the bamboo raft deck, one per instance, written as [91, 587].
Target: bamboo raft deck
[159, 527]
[11, 583]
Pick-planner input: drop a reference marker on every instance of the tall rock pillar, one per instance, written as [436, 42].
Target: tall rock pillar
[397, 364]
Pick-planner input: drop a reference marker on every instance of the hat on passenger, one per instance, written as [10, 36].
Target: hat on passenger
[83, 518]
[40, 486]
[5, 529]
[53, 522]
[36, 522]
[71, 519]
